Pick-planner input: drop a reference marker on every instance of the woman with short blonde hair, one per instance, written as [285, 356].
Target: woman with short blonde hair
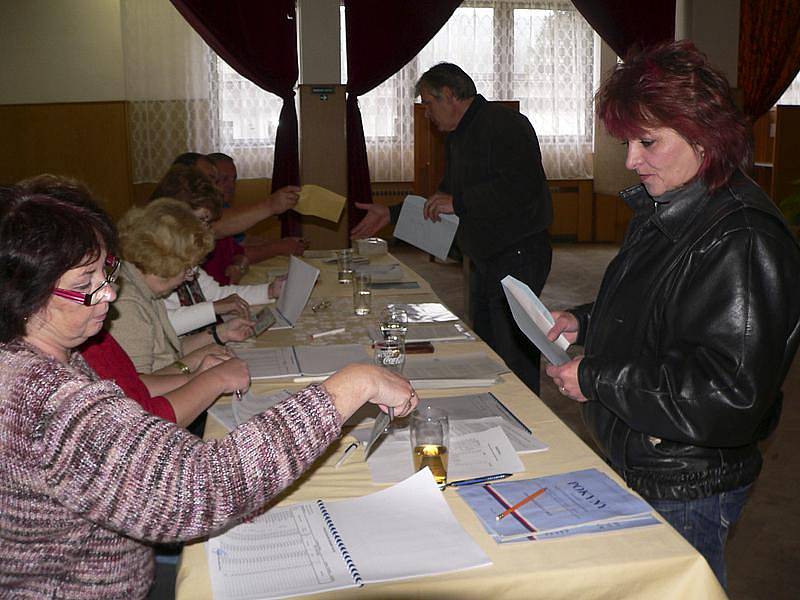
[162, 244]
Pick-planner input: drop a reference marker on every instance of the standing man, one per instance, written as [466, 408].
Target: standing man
[495, 183]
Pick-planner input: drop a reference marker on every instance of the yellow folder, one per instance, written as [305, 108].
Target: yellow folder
[316, 201]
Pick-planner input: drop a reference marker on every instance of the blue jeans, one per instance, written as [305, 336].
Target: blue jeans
[705, 523]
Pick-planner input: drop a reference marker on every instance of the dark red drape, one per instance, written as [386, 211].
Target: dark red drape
[258, 38]
[769, 52]
[382, 37]
[626, 23]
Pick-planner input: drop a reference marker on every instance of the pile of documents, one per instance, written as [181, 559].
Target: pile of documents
[474, 369]
[575, 503]
[485, 438]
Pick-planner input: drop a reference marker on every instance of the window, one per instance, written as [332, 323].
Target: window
[541, 53]
[792, 93]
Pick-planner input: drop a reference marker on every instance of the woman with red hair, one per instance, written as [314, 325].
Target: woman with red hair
[696, 322]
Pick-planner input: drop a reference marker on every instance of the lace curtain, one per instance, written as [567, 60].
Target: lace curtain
[182, 97]
[792, 93]
[541, 53]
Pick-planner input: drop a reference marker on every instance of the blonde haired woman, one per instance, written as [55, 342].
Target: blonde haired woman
[162, 244]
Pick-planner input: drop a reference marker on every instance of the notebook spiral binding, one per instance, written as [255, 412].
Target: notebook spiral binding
[351, 566]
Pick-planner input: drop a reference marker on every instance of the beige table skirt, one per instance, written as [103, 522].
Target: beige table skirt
[649, 562]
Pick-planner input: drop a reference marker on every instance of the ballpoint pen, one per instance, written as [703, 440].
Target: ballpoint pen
[476, 480]
[347, 452]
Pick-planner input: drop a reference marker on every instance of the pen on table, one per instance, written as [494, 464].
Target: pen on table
[519, 504]
[347, 452]
[320, 334]
[509, 413]
[475, 480]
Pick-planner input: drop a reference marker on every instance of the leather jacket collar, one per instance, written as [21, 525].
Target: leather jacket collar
[672, 212]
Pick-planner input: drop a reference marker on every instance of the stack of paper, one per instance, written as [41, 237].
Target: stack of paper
[382, 273]
[477, 448]
[301, 361]
[401, 532]
[427, 312]
[429, 332]
[465, 370]
[575, 503]
[239, 411]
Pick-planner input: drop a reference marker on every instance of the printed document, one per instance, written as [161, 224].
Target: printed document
[404, 531]
[432, 237]
[574, 503]
[477, 448]
[305, 361]
[464, 370]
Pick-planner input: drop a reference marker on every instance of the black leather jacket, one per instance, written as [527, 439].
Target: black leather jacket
[690, 339]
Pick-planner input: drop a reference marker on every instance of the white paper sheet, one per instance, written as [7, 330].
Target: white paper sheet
[290, 550]
[301, 361]
[296, 292]
[432, 237]
[477, 448]
[533, 318]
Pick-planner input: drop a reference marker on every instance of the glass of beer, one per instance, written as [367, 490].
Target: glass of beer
[430, 435]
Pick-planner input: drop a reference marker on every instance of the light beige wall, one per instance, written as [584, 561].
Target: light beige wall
[610, 174]
[320, 50]
[714, 28]
[60, 51]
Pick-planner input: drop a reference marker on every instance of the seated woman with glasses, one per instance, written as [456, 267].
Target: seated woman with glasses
[179, 398]
[89, 480]
[199, 302]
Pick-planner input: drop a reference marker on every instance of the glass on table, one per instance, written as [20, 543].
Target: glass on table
[344, 262]
[394, 322]
[430, 436]
[362, 293]
[391, 354]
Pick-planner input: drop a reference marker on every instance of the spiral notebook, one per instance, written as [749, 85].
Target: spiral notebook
[400, 532]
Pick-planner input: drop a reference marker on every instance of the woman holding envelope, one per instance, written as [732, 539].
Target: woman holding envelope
[696, 322]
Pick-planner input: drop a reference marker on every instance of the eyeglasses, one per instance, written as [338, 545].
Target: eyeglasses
[111, 268]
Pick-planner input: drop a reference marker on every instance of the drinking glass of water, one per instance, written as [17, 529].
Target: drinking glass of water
[394, 323]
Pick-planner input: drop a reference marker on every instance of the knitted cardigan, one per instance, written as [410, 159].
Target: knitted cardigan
[87, 476]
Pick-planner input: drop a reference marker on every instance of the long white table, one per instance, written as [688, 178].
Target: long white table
[650, 562]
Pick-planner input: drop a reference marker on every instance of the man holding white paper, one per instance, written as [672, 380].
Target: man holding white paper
[495, 183]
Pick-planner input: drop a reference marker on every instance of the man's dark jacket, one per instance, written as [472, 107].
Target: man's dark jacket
[690, 339]
[494, 173]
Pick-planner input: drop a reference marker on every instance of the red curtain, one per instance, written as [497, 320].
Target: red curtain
[382, 37]
[626, 23]
[258, 38]
[769, 52]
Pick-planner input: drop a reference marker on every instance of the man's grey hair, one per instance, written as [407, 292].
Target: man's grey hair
[446, 75]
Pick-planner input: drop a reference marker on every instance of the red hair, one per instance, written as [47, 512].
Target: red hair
[673, 85]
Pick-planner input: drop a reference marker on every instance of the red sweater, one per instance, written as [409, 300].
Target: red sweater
[110, 361]
[225, 250]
